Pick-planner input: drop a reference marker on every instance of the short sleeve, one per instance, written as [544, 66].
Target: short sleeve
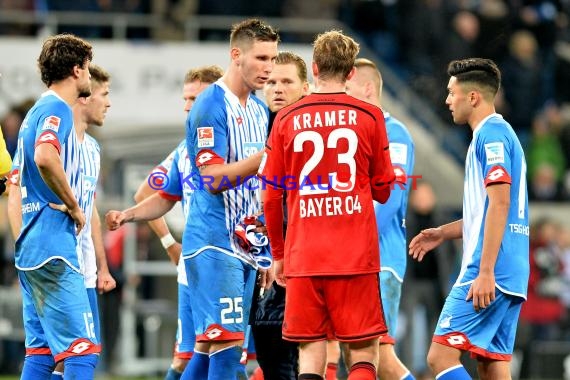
[172, 187]
[493, 151]
[54, 126]
[207, 130]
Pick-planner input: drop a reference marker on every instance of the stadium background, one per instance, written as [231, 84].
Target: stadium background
[148, 45]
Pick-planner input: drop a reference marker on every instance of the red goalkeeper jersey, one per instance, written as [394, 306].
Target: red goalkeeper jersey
[330, 153]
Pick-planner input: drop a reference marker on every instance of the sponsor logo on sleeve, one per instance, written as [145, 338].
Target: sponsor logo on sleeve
[495, 153]
[398, 153]
[205, 137]
[51, 123]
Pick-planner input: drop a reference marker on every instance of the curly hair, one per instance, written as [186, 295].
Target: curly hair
[60, 54]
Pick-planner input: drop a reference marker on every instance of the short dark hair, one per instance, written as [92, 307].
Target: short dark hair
[206, 74]
[287, 57]
[60, 54]
[481, 72]
[252, 30]
[98, 74]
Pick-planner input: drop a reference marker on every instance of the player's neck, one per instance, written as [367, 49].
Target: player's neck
[329, 86]
[68, 93]
[237, 87]
[80, 129]
[479, 114]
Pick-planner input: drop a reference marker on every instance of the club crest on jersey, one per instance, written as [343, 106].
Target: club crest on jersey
[205, 137]
[51, 123]
[495, 153]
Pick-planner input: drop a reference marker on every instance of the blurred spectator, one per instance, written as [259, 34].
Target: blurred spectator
[376, 22]
[495, 28]
[562, 72]
[17, 29]
[522, 82]
[542, 313]
[545, 158]
[11, 122]
[425, 284]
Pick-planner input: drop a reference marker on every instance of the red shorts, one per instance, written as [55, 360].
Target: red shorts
[349, 306]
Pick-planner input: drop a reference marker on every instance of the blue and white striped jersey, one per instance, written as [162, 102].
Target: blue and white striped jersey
[47, 233]
[391, 216]
[178, 187]
[219, 130]
[90, 168]
[495, 155]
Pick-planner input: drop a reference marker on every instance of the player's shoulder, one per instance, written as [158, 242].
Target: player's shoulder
[397, 129]
[211, 100]
[496, 128]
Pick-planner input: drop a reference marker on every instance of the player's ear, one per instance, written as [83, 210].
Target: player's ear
[76, 71]
[305, 89]
[351, 73]
[235, 53]
[315, 69]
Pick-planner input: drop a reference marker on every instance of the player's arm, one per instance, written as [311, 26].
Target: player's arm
[105, 281]
[381, 173]
[432, 238]
[151, 208]
[50, 166]
[483, 288]
[273, 210]
[15, 209]
[231, 174]
[159, 225]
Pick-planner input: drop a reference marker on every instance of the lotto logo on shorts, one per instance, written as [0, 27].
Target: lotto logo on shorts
[456, 340]
[80, 347]
[214, 333]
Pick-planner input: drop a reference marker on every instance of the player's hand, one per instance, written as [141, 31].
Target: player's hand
[105, 282]
[482, 291]
[76, 214]
[424, 242]
[266, 277]
[174, 252]
[279, 277]
[115, 219]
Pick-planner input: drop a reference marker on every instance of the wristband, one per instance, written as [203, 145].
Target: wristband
[167, 241]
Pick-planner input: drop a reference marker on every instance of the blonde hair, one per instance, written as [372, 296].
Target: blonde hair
[334, 54]
[206, 74]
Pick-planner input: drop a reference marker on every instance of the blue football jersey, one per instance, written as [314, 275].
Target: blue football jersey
[495, 155]
[90, 168]
[47, 233]
[178, 187]
[391, 216]
[219, 130]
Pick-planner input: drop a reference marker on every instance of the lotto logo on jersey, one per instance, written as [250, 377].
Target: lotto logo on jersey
[497, 174]
[47, 137]
[495, 153]
[205, 137]
[51, 123]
